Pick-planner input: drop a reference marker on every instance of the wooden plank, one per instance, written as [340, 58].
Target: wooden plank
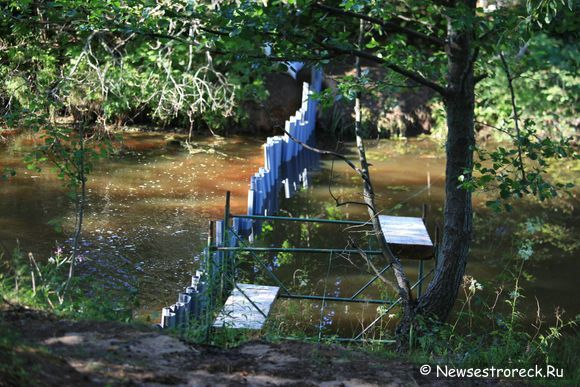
[239, 313]
[404, 230]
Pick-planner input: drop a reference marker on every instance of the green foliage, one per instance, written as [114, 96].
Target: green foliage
[285, 258]
[543, 234]
[491, 326]
[543, 12]
[486, 334]
[109, 63]
[7, 173]
[333, 212]
[547, 87]
[42, 285]
[67, 151]
[521, 169]
[287, 319]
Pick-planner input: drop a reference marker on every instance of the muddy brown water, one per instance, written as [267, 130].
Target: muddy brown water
[148, 212]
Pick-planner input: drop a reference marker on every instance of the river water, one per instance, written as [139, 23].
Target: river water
[148, 212]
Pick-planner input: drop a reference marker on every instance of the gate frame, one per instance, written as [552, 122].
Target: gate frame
[222, 246]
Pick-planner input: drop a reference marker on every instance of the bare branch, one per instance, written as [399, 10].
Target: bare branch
[328, 153]
[338, 156]
[352, 243]
[337, 201]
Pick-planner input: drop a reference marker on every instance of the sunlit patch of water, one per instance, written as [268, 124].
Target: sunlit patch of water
[148, 212]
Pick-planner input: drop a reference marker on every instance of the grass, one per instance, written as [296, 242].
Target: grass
[13, 369]
[481, 335]
[41, 285]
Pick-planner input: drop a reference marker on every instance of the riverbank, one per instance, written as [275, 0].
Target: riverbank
[149, 207]
[37, 348]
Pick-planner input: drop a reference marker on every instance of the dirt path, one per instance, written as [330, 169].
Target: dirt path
[82, 353]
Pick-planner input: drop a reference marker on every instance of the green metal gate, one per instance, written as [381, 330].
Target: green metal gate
[230, 242]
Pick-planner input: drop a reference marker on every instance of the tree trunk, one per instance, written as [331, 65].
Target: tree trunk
[442, 291]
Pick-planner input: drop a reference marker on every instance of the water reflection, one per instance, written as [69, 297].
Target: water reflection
[147, 212]
[149, 209]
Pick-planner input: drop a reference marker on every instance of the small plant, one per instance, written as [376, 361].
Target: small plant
[37, 284]
[484, 334]
[42, 285]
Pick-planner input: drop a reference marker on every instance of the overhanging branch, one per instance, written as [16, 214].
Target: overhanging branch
[328, 153]
[398, 69]
[387, 25]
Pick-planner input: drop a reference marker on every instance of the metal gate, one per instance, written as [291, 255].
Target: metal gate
[226, 238]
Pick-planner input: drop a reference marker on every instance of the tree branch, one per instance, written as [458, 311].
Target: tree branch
[328, 153]
[506, 69]
[369, 262]
[252, 55]
[336, 199]
[479, 78]
[398, 69]
[387, 25]
[469, 67]
[403, 286]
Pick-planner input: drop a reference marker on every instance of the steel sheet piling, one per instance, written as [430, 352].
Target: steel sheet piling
[286, 164]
